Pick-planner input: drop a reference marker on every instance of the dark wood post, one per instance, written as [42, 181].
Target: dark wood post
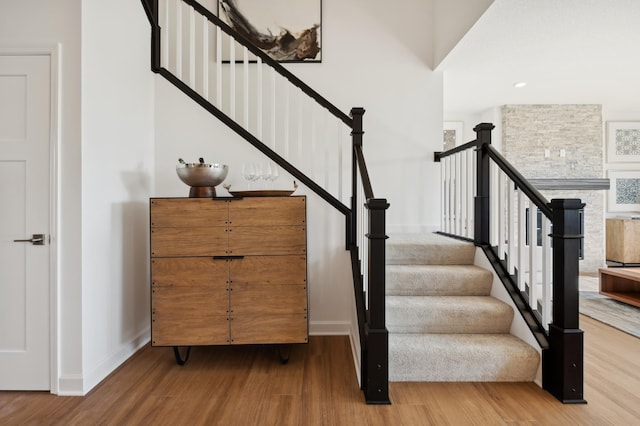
[357, 133]
[377, 359]
[482, 206]
[155, 37]
[563, 362]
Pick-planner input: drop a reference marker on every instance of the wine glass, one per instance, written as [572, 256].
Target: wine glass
[265, 173]
[249, 173]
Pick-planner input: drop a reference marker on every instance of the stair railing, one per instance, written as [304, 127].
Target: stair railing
[533, 245]
[297, 128]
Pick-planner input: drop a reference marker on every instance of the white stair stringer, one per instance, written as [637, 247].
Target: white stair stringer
[443, 324]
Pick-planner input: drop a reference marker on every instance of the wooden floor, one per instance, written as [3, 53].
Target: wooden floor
[248, 386]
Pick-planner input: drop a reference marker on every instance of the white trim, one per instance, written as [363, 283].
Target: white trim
[329, 328]
[113, 361]
[70, 385]
[356, 351]
[53, 51]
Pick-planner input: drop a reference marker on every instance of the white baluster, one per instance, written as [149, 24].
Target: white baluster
[219, 68]
[314, 142]
[521, 239]
[501, 215]
[447, 194]
[471, 191]
[547, 269]
[232, 78]
[273, 109]
[205, 58]
[178, 53]
[443, 198]
[494, 216]
[300, 120]
[511, 229]
[259, 99]
[464, 194]
[191, 63]
[456, 194]
[164, 33]
[287, 111]
[533, 258]
[245, 90]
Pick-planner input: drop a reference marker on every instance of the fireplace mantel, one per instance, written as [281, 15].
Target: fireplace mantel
[572, 183]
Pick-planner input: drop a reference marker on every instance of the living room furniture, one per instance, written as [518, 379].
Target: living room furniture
[623, 241]
[228, 271]
[621, 284]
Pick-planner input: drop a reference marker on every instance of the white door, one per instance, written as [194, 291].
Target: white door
[24, 211]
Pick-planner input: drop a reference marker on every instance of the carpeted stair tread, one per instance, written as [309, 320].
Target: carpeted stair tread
[428, 249]
[461, 358]
[447, 314]
[443, 324]
[438, 280]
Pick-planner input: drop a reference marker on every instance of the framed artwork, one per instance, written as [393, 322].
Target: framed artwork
[623, 141]
[288, 31]
[624, 194]
[451, 134]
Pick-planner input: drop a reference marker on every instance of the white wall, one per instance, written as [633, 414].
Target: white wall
[33, 23]
[374, 56]
[117, 180]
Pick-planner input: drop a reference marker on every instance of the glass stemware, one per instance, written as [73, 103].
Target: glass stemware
[265, 173]
[249, 173]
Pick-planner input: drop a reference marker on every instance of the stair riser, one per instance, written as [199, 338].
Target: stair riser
[437, 280]
[428, 250]
[432, 315]
[446, 360]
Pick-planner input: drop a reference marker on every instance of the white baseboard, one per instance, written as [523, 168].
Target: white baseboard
[80, 385]
[329, 328]
[356, 351]
[70, 385]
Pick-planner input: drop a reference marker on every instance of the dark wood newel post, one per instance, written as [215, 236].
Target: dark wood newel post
[377, 387]
[562, 363]
[482, 206]
[356, 136]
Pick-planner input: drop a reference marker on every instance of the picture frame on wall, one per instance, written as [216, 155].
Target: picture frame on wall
[623, 141]
[286, 31]
[451, 134]
[624, 191]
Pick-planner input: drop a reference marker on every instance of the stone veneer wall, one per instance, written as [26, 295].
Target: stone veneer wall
[527, 130]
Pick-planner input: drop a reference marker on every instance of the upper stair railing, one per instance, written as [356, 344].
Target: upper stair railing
[297, 128]
[533, 244]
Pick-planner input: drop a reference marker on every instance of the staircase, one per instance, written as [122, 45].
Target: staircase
[443, 324]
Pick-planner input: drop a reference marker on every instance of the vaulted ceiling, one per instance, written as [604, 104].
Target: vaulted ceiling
[567, 51]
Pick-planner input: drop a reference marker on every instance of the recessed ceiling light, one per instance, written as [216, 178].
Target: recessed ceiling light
[520, 84]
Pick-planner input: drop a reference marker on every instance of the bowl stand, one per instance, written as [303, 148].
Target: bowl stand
[202, 192]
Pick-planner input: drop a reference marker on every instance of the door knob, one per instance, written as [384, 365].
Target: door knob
[36, 240]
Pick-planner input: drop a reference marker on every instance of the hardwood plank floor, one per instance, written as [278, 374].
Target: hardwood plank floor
[246, 385]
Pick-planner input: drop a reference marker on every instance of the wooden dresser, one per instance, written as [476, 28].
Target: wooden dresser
[228, 271]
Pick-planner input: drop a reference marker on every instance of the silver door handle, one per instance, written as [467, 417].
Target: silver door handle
[36, 240]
